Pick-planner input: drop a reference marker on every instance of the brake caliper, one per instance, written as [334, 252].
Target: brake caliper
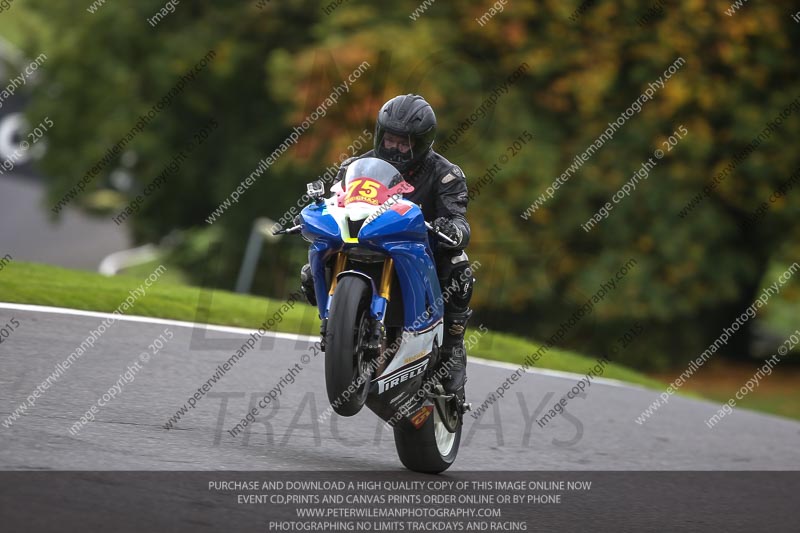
[374, 338]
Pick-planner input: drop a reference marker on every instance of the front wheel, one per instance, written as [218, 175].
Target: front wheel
[347, 372]
[431, 448]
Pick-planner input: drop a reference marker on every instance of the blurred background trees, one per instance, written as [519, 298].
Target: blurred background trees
[275, 65]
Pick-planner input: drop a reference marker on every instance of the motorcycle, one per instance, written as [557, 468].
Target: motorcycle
[381, 309]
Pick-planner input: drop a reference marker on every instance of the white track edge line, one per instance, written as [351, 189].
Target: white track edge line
[556, 373]
[288, 336]
[151, 320]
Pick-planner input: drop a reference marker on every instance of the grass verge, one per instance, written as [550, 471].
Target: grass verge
[37, 284]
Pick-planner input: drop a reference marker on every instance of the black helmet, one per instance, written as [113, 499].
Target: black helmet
[408, 116]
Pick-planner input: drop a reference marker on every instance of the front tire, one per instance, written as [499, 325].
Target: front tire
[344, 358]
[431, 449]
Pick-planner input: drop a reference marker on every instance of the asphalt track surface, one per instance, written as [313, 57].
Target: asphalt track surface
[597, 432]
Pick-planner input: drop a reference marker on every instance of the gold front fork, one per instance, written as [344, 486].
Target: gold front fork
[386, 277]
[341, 261]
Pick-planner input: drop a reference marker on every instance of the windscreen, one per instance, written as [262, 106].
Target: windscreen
[368, 180]
[374, 169]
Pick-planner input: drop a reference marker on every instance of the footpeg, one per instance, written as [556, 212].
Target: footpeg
[438, 393]
[434, 396]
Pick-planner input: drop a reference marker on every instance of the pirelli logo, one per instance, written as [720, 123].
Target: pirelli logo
[402, 375]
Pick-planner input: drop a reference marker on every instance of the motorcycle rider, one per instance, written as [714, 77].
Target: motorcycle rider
[404, 134]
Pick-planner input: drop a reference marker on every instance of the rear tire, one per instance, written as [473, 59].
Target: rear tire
[430, 449]
[343, 358]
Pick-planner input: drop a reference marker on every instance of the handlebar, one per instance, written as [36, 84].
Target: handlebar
[440, 235]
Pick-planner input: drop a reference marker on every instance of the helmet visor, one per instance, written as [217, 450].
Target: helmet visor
[394, 147]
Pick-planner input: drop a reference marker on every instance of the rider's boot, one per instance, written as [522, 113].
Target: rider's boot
[454, 353]
[455, 360]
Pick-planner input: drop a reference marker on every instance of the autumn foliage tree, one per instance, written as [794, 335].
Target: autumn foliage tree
[694, 271]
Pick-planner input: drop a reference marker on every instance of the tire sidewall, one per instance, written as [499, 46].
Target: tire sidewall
[418, 450]
[351, 298]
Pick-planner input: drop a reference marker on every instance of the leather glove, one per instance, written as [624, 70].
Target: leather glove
[446, 226]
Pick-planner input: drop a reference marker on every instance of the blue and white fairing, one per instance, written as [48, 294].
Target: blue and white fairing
[392, 226]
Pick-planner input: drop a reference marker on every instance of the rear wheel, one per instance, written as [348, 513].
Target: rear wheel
[347, 372]
[431, 448]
